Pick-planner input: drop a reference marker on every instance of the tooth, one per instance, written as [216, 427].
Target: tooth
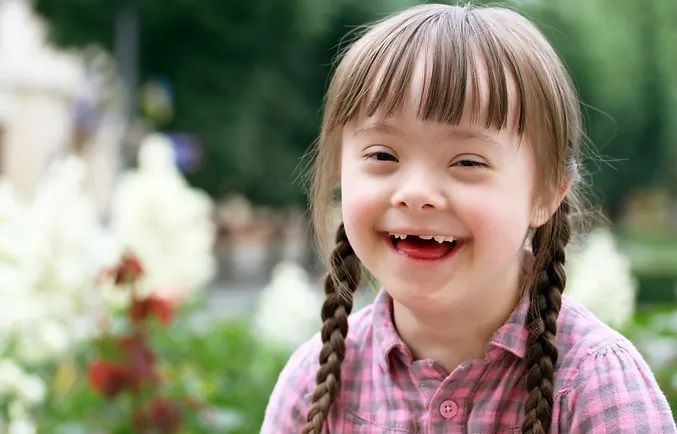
[425, 237]
[439, 238]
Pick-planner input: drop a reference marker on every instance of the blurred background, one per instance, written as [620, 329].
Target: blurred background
[156, 261]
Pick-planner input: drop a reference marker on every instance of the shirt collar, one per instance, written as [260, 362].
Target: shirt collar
[511, 336]
[386, 337]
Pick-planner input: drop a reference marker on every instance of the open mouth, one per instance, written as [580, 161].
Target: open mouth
[425, 247]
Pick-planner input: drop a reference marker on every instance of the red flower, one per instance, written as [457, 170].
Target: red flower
[160, 307]
[107, 378]
[140, 361]
[128, 270]
[165, 416]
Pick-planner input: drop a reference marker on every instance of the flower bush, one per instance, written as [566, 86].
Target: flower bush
[288, 308]
[600, 277]
[55, 299]
[130, 363]
[167, 224]
[51, 252]
[654, 332]
[214, 376]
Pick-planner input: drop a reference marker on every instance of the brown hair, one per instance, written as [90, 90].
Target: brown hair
[373, 75]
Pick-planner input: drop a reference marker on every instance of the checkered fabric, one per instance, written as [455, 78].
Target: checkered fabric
[602, 383]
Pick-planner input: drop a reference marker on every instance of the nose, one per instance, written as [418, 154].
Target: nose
[417, 192]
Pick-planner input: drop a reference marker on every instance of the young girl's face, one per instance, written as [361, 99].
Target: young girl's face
[402, 175]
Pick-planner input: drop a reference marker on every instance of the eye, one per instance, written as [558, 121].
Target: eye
[380, 156]
[470, 163]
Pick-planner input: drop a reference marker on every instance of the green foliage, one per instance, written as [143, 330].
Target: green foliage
[653, 256]
[225, 373]
[654, 332]
[249, 77]
[615, 55]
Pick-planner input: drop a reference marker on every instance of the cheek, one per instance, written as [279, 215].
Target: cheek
[497, 215]
[361, 207]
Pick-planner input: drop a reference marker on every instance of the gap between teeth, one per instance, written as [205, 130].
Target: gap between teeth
[438, 238]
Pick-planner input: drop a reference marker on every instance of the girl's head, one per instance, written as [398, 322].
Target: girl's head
[452, 121]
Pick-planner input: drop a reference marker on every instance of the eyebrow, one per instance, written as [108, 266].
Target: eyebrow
[377, 127]
[468, 134]
[457, 133]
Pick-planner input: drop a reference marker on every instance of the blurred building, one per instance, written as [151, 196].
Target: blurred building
[46, 107]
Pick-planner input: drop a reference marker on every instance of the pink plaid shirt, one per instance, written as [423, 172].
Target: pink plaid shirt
[602, 384]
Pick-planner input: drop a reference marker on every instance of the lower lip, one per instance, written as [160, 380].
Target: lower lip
[424, 261]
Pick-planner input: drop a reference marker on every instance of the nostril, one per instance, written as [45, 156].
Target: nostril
[424, 206]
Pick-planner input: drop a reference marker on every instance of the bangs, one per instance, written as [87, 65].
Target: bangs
[459, 54]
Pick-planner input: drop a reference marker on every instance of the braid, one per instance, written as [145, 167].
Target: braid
[546, 299]
[340, 283]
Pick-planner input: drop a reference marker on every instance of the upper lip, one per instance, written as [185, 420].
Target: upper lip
[418, 233]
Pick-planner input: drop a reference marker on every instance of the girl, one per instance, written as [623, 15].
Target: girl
[454, 133]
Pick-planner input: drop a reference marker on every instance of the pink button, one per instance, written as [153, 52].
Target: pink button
[448, 409]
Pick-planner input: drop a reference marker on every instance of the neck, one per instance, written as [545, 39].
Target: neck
[461, 332]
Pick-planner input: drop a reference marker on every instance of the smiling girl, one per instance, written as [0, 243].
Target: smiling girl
[454, 135]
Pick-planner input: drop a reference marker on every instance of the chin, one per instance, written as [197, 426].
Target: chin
[420, 296]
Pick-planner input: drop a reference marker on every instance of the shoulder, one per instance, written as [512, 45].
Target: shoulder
[604, 381]
[290, 400]
[581, 334]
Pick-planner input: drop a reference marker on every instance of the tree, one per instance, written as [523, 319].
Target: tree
[249, 77]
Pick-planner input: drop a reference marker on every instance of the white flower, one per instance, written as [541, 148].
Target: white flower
[15, 250]
[288, 309]
[32, 389]
[156, 154]
[19, 421]
[43, 341]
[51, 253]
[20, 387]
[165, 222]
[600, 277]
[69, 249]
[9, 372]
[22, 426]
[70, 243]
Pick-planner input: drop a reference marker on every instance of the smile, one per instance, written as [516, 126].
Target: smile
[438, 238]
[423, 248]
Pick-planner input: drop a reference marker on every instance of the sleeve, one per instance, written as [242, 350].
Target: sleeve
[289, 402]
[614, 391]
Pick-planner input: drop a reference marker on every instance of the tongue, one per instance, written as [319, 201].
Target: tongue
[423, 249]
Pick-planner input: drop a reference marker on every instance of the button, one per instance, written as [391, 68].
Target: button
[448, 409]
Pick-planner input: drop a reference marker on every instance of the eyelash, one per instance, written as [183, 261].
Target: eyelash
[474, 163]
[374, 155]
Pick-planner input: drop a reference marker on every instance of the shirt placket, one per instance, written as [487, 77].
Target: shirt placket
[447, 406]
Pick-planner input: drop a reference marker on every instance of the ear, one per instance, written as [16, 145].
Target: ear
[542, 212]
